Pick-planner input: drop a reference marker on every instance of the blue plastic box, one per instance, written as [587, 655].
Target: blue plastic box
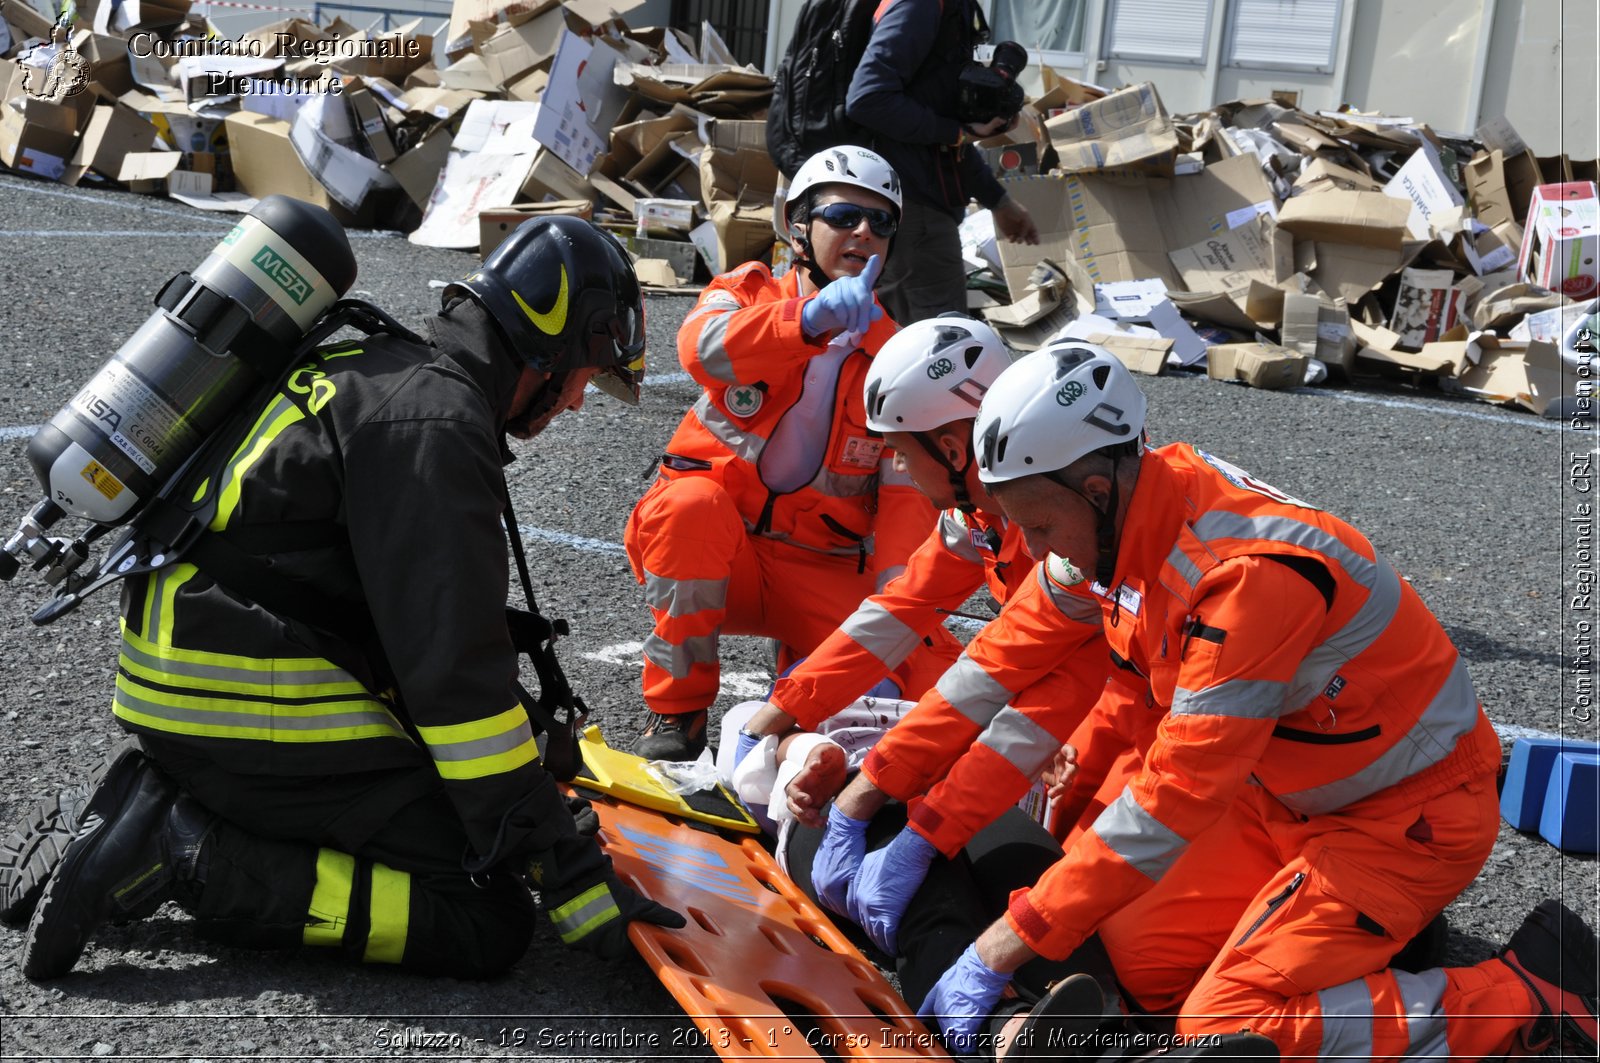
[1571, 817]
[1528, 777]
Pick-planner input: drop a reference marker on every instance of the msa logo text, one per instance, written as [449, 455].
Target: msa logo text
[273, 265]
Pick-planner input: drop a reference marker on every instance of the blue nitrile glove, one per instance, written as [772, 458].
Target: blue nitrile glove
[962, 999]
[844, 843]
[846, 304]
[883, 888]
[747, 742]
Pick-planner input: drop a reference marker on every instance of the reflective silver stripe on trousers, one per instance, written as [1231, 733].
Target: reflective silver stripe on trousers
[473, 748]
[971, 690]
[267, 679]
[676, 660]
[236, 716]
[712, 353]
[744, 445]
[1426, 1028]
[1023, 743]
[880, 633]
[1072, 606]
[1146, 843]
[682, 597]
[1452, 713]
[1248, 699]
[1346, 1021]
[957, 538]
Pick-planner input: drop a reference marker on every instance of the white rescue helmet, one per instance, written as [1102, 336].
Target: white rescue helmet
[847, 164]
[932, 372]
[1053, 407]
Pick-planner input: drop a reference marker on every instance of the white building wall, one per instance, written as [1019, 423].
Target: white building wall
[1429, 59]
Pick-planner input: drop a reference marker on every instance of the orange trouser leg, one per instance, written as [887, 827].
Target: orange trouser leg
[706, 577]
[1306, 961]
[685, 541]
[805, 596]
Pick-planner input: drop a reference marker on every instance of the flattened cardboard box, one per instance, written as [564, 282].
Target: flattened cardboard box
[1139, 354]
[1102, 228]
[1422, 183]
[113, 131]
[1229, 260]
[522, 44]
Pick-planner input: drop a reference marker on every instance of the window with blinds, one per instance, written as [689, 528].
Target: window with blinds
[1173, 31]
[1054, 26]
[1283, 34]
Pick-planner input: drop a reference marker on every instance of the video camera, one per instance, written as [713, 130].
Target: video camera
[990, 92]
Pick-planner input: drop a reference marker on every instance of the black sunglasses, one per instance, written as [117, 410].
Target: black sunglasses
[849, 215]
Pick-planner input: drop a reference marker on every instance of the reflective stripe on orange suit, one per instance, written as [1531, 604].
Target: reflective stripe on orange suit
[975, 742]
[1111, 744]
[954, 561]
[1310, 735]
[822, 547]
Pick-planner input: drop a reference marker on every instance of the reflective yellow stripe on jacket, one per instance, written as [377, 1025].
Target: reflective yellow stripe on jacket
[163, 687]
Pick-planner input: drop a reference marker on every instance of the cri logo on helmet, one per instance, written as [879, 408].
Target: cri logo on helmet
[942, 367]
[1070, 392]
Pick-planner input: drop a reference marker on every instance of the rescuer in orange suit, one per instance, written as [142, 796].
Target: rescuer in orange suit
[1322, 783]
[922, 394]
[776, 510]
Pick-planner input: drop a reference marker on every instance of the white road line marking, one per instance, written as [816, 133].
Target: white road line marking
[56, 234]
[132, 202]
[1443, 411]
[734, 684]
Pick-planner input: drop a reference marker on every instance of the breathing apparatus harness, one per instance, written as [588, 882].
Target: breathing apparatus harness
[172, 527]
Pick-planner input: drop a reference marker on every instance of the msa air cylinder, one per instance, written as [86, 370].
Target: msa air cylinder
[217, 335]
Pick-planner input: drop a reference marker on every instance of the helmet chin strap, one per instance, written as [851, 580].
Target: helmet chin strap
[958, 477]
[806, 261]
[544, 400]
[1105, 529]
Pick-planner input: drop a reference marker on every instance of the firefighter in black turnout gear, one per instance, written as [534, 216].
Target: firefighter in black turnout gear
[333, 746]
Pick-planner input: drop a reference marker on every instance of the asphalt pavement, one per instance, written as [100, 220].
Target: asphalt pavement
[1480, 507]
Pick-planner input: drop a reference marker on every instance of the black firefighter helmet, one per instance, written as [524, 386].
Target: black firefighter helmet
[564, 293]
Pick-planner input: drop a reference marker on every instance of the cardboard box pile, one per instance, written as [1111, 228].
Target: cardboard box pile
[524, 107]
[1272, 244]
[1280, 247]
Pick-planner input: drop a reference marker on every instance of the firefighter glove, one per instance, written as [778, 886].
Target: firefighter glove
[589, 906]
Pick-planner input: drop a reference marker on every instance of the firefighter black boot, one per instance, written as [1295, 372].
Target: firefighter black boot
[139, 843]
[30, 853]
